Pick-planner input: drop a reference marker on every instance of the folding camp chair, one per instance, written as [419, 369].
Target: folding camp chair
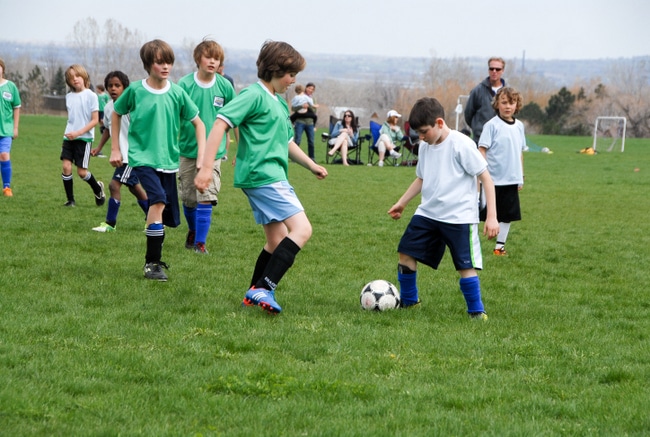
[373, 152]
[354, 151]
[411, 143]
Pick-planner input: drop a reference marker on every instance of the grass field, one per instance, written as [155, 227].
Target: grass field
[89, 347]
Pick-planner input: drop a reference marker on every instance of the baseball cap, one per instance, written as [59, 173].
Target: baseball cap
[393, 113]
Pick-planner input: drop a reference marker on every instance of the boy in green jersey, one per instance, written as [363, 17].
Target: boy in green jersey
[9, 120]
[210, 91]
[156, 107]
[265, 147]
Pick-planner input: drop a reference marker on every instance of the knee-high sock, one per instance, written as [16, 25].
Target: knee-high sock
[5, 169]
[155, 238]
[471, 289]
[408, 288]
[281, 260]
[144, 204]
[260, 265]
[111, 212]
[190, 216]
[68, 186]
[504, 228]
[93, 183]
[203, 222]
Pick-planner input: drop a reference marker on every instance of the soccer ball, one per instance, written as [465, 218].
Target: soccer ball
[379, 295]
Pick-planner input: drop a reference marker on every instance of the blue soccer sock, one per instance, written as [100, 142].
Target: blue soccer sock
[144, 204]
[471, 289]
[408, 286]
[190, 216]
[203, 221]
[111, 212]
[5, 169]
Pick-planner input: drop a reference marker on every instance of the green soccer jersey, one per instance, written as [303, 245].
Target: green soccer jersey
[264, 134]
[103, 99]
[210, 98]
[9, 100]
[155, 123]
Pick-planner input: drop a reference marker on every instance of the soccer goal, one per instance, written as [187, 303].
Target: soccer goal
[608, 132]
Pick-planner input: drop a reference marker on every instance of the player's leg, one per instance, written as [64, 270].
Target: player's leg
[155, 230]
[207, 200]
[465, 248]
[186, 174]
[82, 159]
[5, 165]
[67, 156]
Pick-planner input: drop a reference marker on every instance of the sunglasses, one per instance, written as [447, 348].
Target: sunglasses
[348, 115]
[495, 69]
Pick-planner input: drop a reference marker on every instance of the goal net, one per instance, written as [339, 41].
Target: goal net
[460, 118]
[609, 133]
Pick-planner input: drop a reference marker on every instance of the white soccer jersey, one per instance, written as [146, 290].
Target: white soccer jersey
[449, 186]
[80, 108]
[504, 143]
[125, 120]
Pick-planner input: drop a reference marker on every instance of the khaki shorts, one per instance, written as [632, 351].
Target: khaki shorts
[189, 194]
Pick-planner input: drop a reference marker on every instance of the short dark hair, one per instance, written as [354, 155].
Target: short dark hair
[156, 50]
[122, 77]
[278, 58]
[425, 112]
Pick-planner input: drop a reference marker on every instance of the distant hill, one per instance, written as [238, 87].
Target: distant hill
[240, 64]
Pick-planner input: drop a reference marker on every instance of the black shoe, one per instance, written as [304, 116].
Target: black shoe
[101, 197]
[69, 204]
[154, 271]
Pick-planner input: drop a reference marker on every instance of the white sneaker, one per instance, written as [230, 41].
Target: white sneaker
[394, 154]
[380, 164]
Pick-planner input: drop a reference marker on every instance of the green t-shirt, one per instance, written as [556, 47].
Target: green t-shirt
[103, 99]
[155, 123]
[264, 134]
[9, 100]
[210, 98]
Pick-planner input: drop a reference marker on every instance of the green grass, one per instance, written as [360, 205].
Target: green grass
[89, 347]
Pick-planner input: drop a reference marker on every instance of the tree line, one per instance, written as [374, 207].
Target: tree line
[547, 110]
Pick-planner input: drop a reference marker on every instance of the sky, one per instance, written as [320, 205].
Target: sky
[551, 29]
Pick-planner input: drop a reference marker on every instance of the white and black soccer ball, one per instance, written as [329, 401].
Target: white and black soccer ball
[379, 295]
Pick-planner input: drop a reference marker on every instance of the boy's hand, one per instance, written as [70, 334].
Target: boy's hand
[116, 158]
[396, 211]
[319, 171]
[95, 151]
[203, 179]
[491, 228]
[71, 135]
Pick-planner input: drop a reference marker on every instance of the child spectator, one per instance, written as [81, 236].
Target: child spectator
[210, 91]
[502, 143]
[265, 147]
[9, 121]
[82, 105]
[446, 177]
[156, 107]
[115, 82]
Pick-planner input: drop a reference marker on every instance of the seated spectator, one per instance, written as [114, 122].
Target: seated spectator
[389, 134]
[344, 135]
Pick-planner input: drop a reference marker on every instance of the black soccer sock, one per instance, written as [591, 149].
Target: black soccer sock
[281, 259]
[155, 238]
[93, 183]
[260, 266]
[68, 186]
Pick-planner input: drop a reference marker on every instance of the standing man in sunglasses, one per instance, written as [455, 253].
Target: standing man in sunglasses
[478, 109]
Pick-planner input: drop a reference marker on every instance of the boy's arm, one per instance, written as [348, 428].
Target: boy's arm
[413, 190]
[199, 130]
[16, 121]
[105, 136]
[491, 227]
[204, 176]
[94, 119]
[297, 155]
[116, 154]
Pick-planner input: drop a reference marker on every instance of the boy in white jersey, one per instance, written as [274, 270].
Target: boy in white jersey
[115, 82]
[265, 147]
[83, 107]
[9, 120]
[502, 143]
[156, 107]
[446, 177]
[210, 91]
